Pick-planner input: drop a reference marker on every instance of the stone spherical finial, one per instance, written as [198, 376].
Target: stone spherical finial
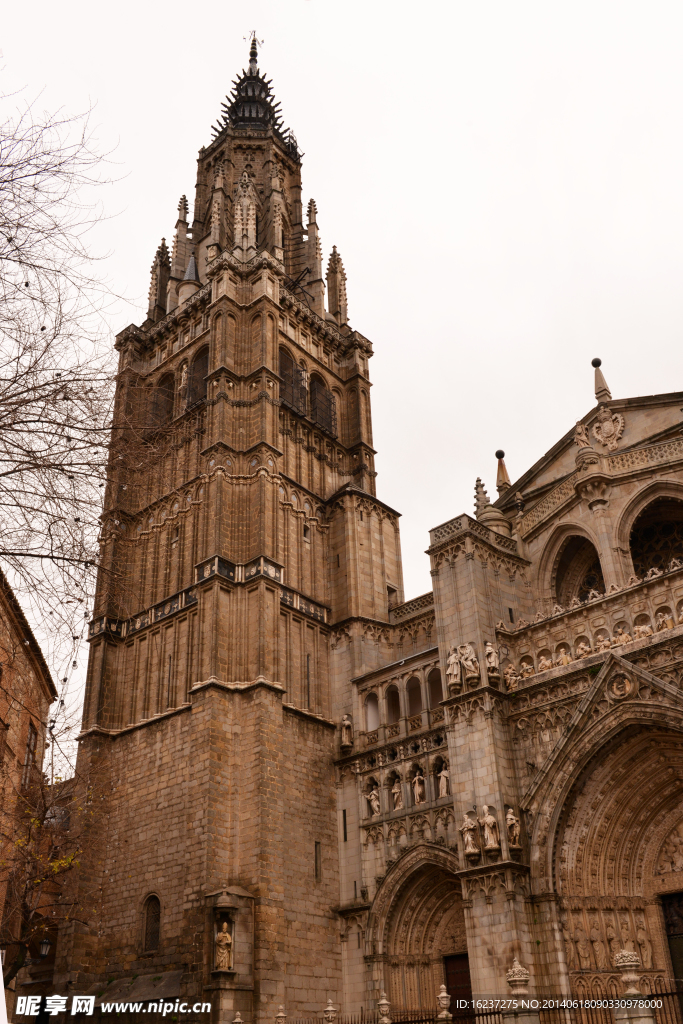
[500, 454]
[596, 363]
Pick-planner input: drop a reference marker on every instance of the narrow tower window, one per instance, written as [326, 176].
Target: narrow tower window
[318, 862]
[152, 922]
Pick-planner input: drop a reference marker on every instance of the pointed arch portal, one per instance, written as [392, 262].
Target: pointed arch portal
[419, 924]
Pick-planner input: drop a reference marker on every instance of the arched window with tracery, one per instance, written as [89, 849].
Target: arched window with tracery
[293, 392]
[162, 401]
[578, 571]
[200, 368]
[657, 535]
[323, 409]
[152, 923]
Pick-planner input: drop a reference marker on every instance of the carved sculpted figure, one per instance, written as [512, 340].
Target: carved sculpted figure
[644, 944]
[419, 794]
[583, 650]
[511, 678]
[492, 659]
[581, 436]
[544, 663]
[453, 672]
[653, 573]
[490, 827]
[608, 428]
[564, 655]
[444, 781]
[614, 944]
[224, 949]
[582, 948]
[626, 940]
[397, 793]
[469, 661]
[468, 830]
[346, 731]
[602, 643]
[664, 621]
[598, 946]
[527, 669]
[618, 640]
[512, 823]
[373, 800]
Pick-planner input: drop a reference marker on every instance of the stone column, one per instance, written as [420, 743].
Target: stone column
[628, 963]
[518, 980]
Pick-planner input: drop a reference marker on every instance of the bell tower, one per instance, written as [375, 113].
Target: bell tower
[241, 536]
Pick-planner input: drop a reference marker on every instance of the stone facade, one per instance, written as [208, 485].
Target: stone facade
[371, 794]
[26, 693]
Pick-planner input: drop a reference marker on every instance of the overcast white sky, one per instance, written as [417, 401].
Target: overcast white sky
[502, 179]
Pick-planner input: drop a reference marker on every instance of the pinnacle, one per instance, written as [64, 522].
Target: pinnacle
[481, 498]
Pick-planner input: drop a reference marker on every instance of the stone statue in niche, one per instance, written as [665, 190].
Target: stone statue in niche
[569, 951]
[183, 383]
[373, 801]
[612, 938]
[397, 794]
[644, 944]
[608, 428]
[544, 664]
[468, 831]
[346, 732]
[582, 948]
[453, 672]
[419, 793]
[490, 827]
[598, 946]
[603, 643]
[224, 949]
[511, 678]
[664, 621]
[492, 659]
[512, 824]
[444, 781]
[621, 637]
[583, 650]
[627, 942]
[470, 664]
[642, 631]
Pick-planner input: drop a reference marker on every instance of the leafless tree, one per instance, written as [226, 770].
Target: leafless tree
[55, 367]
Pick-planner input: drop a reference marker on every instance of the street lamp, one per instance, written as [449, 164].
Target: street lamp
[45, 947]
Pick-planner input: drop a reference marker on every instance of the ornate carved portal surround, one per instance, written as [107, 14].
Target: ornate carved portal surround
[417, 918]
[618, 848]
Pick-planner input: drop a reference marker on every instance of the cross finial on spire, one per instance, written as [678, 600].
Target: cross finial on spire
[253, 50]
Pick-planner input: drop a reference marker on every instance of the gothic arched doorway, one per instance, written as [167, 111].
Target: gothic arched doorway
[619, 847]
[421, 922]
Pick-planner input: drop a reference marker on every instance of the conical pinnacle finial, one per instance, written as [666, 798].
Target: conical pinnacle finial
[502, 477]
[602, 392]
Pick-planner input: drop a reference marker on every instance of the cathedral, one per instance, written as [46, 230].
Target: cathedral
[315, 789]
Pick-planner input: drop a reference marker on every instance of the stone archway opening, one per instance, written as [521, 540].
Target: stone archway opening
[657, 535]
[578, 571]
[425, 940]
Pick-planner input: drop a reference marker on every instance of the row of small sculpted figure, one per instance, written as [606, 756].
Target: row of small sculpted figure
[595, 595]
[383, 1005]
[418, 787]
[603, 642]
